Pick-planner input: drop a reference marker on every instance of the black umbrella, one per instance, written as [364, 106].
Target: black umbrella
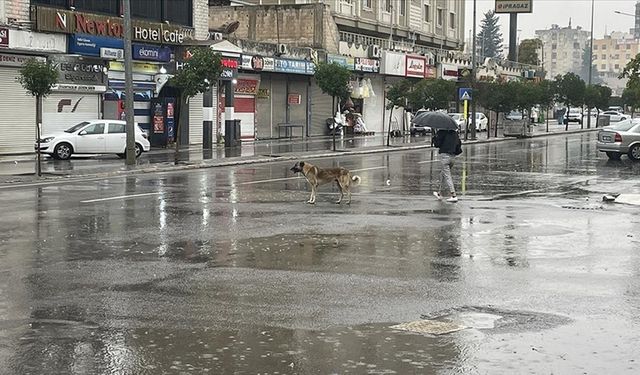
[435, 120]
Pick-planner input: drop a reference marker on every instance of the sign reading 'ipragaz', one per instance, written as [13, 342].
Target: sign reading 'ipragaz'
[514, 6]
[70, 22]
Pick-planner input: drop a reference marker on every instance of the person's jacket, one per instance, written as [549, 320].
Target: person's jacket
[447, 141]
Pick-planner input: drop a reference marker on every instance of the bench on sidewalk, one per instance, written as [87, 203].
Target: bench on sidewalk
[288, 129]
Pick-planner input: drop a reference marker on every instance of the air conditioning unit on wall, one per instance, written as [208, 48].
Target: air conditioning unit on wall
[374, 51]
[283, 49]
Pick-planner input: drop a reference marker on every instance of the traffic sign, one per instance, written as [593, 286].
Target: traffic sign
[464, 93]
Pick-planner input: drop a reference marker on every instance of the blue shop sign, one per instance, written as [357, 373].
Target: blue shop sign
[89, 45]
[151, 53]
[345, 61]
[294, 66]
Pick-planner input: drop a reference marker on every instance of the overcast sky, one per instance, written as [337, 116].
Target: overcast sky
[547, 12]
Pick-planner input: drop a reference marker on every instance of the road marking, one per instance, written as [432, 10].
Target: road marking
[120, 197]
[295, 178]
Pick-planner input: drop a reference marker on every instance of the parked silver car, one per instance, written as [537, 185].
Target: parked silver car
[620, 138]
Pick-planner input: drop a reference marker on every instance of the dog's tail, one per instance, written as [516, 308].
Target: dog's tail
[356, 179]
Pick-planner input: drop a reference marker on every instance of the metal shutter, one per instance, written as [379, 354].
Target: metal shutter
[18, 115]
[63, 110]
[320, 110]
[195, 120]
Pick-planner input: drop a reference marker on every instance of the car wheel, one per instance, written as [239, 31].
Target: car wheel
[63, 151]
[138, 150]
[613, 155]
[634, 152]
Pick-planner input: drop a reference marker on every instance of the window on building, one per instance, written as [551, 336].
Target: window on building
[367, 4]
[617, 46]
[99, 6]
[594, 57]
[595, 48]
[604, 46]
[617, 66]
[440, 17]
[628, 56]
[554, 55]
[554, 46]
[427, 13]
[403, 7]
[387, 6]
[603, 66]
[173, 11]
[576, 45]
[628, 46]
[452, 20]
[53, 3]
[604, 57]
[616, 56]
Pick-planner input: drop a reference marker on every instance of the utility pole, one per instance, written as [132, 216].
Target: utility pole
[473, 77]
[128, 91]
[590, 66]
[513, 31]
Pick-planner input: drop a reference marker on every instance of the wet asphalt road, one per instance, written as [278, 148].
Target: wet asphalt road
[227, 270]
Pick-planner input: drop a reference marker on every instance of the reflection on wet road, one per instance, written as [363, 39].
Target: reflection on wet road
[229, 271]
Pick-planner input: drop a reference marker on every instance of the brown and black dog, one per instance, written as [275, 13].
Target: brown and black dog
[317, 176]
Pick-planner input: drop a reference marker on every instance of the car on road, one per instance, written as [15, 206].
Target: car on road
[416, 129]
[459, 119]
[619, 139]
[92, 137]
[514, 116]
[575, 115]
[614, 116]
[481, 121]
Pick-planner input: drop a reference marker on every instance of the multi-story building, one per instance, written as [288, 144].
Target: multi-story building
[380, 41]
[84, 40]
[611, 54]
[563, 49]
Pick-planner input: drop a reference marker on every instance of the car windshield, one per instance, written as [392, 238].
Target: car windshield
[77, 127]
[455, 116]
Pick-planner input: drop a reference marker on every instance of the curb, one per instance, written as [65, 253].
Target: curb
[261, 160]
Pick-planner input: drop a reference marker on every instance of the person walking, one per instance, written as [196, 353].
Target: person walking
[449, 146]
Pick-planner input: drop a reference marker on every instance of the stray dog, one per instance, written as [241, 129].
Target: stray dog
[317, 176]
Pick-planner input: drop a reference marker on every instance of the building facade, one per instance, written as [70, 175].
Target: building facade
[84, 40]
[611, 54]
[563, 49]
[379, 41]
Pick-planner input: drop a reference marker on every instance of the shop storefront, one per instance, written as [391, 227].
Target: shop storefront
[393, 69]
[365, 89]
[282, 95]
[18, 132]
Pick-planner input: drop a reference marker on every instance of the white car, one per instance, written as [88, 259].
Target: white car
[481, 121]
[458, 118]
[514, 116]
[92, 137]
[615, 116]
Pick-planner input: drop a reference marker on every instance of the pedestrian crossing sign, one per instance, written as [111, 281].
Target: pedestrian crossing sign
[464, 93]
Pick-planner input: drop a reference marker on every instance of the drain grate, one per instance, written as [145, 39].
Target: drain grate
[433, 327]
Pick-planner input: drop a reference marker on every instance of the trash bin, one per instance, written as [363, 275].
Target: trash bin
[231, 133]
[603, 121]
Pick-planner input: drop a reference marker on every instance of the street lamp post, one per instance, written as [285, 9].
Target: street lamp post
[128, 79]
[473, 77]
[590, 66]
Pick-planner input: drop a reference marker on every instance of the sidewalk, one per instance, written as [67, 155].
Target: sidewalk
[20, 168]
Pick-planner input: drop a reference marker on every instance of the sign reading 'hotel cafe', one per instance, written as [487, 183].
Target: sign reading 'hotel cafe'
[70, 22]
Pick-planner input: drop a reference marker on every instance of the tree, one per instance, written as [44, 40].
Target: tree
[490, 38]
[200, 71]
[597, 96]
[38, 78]
[496, 96]
[631, 93]
[333, 79]
[432, 94]
[528, 52]
[570, 90]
